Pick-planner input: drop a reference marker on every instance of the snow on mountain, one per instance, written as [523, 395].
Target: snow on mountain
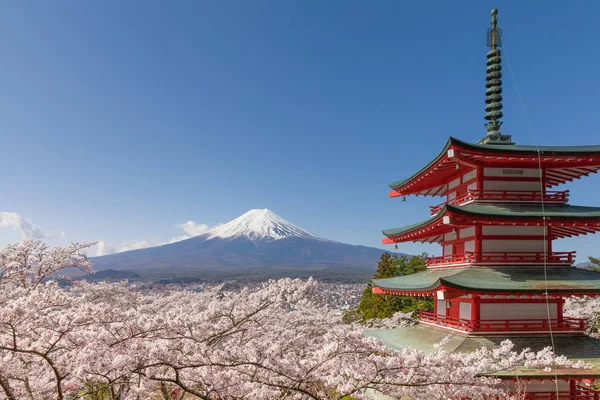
[257, 243]
[260, 224]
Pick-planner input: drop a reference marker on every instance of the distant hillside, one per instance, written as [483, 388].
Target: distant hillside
[256, 243]
[584, 265]
[111, 275]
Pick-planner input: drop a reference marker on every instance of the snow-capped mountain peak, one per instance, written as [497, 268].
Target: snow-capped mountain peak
[260, 224]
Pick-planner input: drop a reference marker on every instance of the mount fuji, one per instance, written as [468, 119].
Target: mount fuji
[258, 243]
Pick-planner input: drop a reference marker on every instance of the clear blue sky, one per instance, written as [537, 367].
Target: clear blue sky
[121, 119]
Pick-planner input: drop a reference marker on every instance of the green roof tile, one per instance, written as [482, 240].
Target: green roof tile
[504, 149]
[498, 279]
[511, 211]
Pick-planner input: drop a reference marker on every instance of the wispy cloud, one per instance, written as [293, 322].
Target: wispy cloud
[25, 228]
[104, 249]
[138, 244]
[192, 228]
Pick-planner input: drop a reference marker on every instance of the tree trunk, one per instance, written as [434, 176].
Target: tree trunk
[5, 385]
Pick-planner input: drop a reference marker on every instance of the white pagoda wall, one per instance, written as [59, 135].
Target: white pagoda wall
[533, 386]
[512, 172]
[512, 246]
[516, 311]
[465, 310]
[515, 245]
[441, 307]
[512, 182]
[470, 245]
[513, 230]
[454, 183]
[461, 181]
[528, 186]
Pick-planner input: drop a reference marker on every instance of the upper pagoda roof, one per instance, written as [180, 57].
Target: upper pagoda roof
[565, 163]
[566, 220]
[569, 280]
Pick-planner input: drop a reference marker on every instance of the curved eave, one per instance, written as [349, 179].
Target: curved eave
[442, 165]
[397, 185]
[566, 220]
[414, 231]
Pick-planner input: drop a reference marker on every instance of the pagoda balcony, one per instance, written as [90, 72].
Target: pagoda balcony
[503, 196]
[564, 325]
[498, 258]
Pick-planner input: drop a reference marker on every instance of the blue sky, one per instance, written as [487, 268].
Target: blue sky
[121, 120]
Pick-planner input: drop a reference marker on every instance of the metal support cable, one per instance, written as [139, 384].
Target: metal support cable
[542, 188]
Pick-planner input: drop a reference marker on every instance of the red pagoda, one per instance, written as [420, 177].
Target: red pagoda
[498, 276]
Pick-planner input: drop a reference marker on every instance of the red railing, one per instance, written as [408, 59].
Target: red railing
[512, 325]
[506, 196]
[554, 258]
[466, 258]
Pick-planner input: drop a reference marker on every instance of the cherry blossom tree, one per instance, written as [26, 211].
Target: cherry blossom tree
[111, 341]
[587, 308]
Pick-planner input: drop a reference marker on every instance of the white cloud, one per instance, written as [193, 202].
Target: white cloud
[177, 239]
[25, 228]
[104, 248]
[138, 244]
[192, 228]
[63, 234]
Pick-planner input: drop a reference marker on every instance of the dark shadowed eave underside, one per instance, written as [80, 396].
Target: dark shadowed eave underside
[591, 150]
[497, 280]
[508, 212]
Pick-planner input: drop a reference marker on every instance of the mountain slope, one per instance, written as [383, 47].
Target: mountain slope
[259, 240]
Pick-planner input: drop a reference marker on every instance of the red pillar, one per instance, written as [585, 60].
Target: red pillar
[475, 311]
[559, 309]
[543, 180]
[478, 234]
[572, 389]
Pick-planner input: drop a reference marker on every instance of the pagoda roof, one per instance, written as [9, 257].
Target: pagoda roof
[470, 154]
[506, 279]
[501, 214]
[574, 347]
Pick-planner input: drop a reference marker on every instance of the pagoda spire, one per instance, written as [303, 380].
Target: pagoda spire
[493, 92]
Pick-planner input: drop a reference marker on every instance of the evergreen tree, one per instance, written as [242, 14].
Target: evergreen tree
[385, 305]
[595, 264]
